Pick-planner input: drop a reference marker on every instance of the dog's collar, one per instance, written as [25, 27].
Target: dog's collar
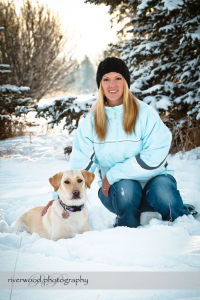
[72, 208]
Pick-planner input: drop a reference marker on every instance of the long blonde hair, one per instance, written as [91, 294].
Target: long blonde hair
[131, 110]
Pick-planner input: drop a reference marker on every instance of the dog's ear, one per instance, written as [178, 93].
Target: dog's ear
[55, 180]
[89, 177]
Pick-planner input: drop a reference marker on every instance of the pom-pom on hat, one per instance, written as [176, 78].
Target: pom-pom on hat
[112, 64]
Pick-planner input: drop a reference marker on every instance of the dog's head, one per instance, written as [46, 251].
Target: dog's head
[71, 185]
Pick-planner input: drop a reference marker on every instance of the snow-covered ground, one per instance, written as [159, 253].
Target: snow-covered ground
[24, 171]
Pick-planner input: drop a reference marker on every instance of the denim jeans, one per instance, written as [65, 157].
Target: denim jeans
[127, 200]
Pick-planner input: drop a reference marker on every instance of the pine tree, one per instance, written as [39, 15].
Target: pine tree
[84, 81]
[86, 77]
[161, 46]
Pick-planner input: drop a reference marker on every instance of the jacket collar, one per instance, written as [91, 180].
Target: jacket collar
[112, 111]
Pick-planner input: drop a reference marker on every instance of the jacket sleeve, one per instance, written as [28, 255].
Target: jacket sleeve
[155, 145]
[83, 155]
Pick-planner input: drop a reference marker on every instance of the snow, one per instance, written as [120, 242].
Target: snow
[51, 107]
[148, 47]
[166, 28]
[172, 4]
[143, 5]
[4, 66]
[195, 35]
[5, 71]
[158, 102]
[153, 89]
[13, 88]
[25, 166]
[168, 4]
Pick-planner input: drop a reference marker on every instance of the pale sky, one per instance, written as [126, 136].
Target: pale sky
[88, 25]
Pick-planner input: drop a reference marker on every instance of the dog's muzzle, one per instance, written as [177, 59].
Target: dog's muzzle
[75, 194]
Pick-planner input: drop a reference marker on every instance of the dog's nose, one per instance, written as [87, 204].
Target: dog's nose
[76, 194]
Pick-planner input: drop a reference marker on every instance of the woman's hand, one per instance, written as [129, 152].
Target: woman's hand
[105, 186]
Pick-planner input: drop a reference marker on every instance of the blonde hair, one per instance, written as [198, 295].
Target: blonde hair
[131, 110]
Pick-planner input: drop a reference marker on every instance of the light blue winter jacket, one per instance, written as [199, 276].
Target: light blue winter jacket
[139, 156]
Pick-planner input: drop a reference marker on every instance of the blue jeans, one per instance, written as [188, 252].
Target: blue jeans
[127, 200]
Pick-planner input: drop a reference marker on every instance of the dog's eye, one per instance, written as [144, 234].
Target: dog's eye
[79, 180]
[67, 181]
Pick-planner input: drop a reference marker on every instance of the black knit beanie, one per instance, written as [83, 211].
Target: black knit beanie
[112, 64]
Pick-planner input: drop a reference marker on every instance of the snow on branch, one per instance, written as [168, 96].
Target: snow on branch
[172, 4]
[66, 110]
[8, 88]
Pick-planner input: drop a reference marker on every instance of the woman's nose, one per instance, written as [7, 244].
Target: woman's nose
[112, 83]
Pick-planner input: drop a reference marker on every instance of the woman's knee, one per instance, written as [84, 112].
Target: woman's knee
[128, 193]
[162, 187]
[162, 195]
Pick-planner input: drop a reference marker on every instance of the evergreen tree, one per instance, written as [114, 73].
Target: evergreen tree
[161, 46]
[86, 78]
[84, 81]
[13, 105]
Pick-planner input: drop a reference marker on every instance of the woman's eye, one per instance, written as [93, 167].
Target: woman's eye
[119, 78]
[67, 181]
[105, 79]
[79, 180]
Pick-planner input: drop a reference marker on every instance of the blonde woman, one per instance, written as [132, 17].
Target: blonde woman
[126, 141]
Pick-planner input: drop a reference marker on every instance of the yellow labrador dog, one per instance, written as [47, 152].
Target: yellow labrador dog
[67, 215]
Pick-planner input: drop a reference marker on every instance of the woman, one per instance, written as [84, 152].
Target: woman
[127, 141]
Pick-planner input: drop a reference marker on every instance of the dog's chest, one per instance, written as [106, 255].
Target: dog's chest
[70, 225]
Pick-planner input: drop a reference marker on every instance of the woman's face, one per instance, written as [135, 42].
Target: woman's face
[113, 87]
